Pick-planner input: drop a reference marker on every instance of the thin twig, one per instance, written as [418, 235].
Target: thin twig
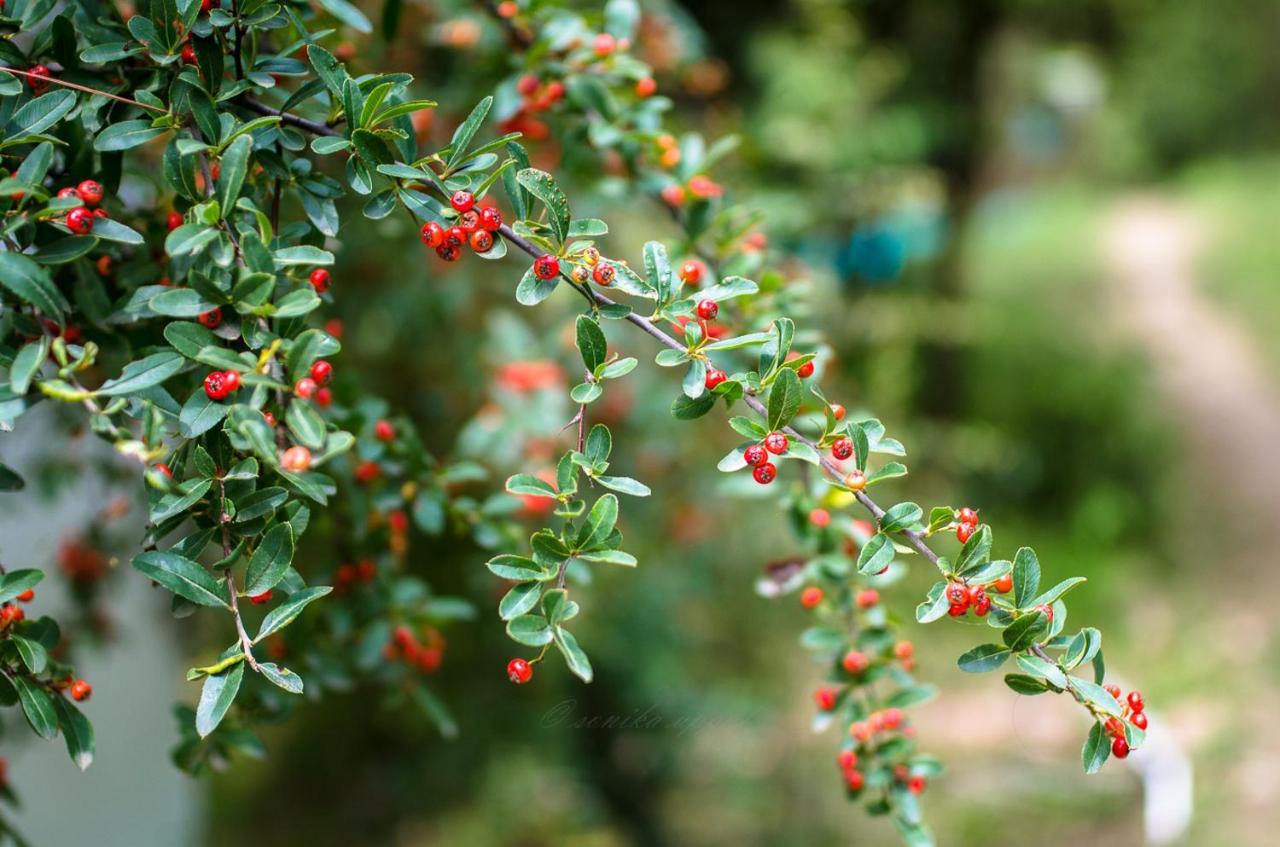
[56, 81]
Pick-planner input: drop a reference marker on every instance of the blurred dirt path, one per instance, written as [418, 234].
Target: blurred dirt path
[1205, 363]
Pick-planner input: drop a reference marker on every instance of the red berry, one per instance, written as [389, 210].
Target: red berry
[1139, 719]
[173, 221]
[322, 372]
[1045, 610]
[1135, 701]
[456, 236]
[90, 192]
[982, 606]
[398, 522]
[673, 195]
[449, 252]
[958, 594]
[100, 213]
[367, 471]
[957, 611]
[546, 266]
[976, 593]
[964, 532]
[206, 5]
[867, 598]
[210, 319]
[68, 192]
[968, 516]
[320, 280]
[527, 84]
[714, 377]
[164, 470]
[847, 759]
[854, 780]
[490, 218]
[39, 86]
[384, 431]
[215, 385]
[855, 662]
[806, 370]
[462, 201]
[26, 596]
[296, 459]
[470, 220]
[259, 599]
[646, 87]
[188, 54]
[432, 234]
[481, 241]
[825, 699]
[855, 480]
[837, 411]
[1113, 689]
[820, 518]
[1004, 584]
[904, 649]
[691, 272]
[519, 672]
[1120, 748]
[604, 44]
[1115, 728]
[916, 784]
[708, 309]
[81, 690]
[842, 448]
[775, 443]
[811, 597]
[80, 221]
[604, 273]
[305, 388]
[764, 473]
[754, 455]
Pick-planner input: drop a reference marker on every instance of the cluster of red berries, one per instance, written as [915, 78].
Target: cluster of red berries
[698, 187]
[219, 385]
[80, 219]
[519, 671]
[1134, 712]
[316, 386]
[425, 655]
[474, 227]
[589, 266]
[757, 457]
[967, 524]
[347, 575]
[962, 597]
[536, 96]
[11, 613]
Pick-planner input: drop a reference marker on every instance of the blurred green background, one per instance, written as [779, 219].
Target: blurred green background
[1041, 240]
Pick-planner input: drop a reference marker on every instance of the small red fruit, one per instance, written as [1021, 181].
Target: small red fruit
[490, 218]
[1135, 701]
[519, 672]
[811, 597]
[806, 370]
[367, 471]
[231, 379]
[691, 272]
[604, 44]
[708, 309]
[449, 252]
[764, 473]
[867, 598]
[470, 220]
[305, 388]
[173, 221]
[964, 532]
[80, 221]
[259, 599]
[904, 649]
[842, 448]
[847, 759]
[38, 85]
[456, 236]
[384, 431]
[916, 785]
[527, 84]
[90, 192]
[210, 319]
[68, 192]
[324, 398]
[855, 662]
[825, 699]
[320, 280]
[1004, 584]
[646, 87]
[837, 411]
[775, 443]
[1045, 610]
[755, 455]
[855, 480]
[188, 54]
[81, 690]
[854, 780]
[957, 611]
[462, 201]
[982, 606]
[1113, 689]
[26, 596]
[958, 594]
[546, 266]
[215, 385]
[1139, 719]
[673, 196]
[163, 470]
[604, 273]
[322, 372]
[296, 459]
[432, 234]
[968, 516]
[820, 518]
[1120, 748]
[714, 377]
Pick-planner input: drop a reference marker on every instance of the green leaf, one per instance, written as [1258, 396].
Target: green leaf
[14, 583]
[516, 568]
[876, 554]
[599, 524]
[189, 238]
[270, 560]
[216, 697]
[144, 373]
[306, 424]
[31, 283]
[1025, 631]
[38, 706]
[1048, 597]
[519, 599]
[235, 165]
[591, 343]
[624, 485]
[348, 14]
[784, 399]
[530, 630]
[686, 408]
[891, 470]
[182, 576]
[1096, 695]
[1028, 686]
[284, 614]
[533, 289]
[524, 483]
[541, 185]
[27, 364]
[200, 414]
[1097, 747]
[609, 557]
[975, 551]
[466, 131]
[77, 732]
[66, 249]
[901, 516]
[39, 114]
[112, 230]
[1026, 577]
[573, 654]
[435, 710]
[983, 658]
[33, 654]
[1037, 666]
[281, 677]
[126, 135]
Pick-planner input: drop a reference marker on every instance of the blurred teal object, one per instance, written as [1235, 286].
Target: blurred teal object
[879, 251]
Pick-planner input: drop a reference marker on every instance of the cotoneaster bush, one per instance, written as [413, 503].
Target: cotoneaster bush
[175, 179]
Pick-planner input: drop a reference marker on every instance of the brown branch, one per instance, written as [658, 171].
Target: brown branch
[56, 81]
